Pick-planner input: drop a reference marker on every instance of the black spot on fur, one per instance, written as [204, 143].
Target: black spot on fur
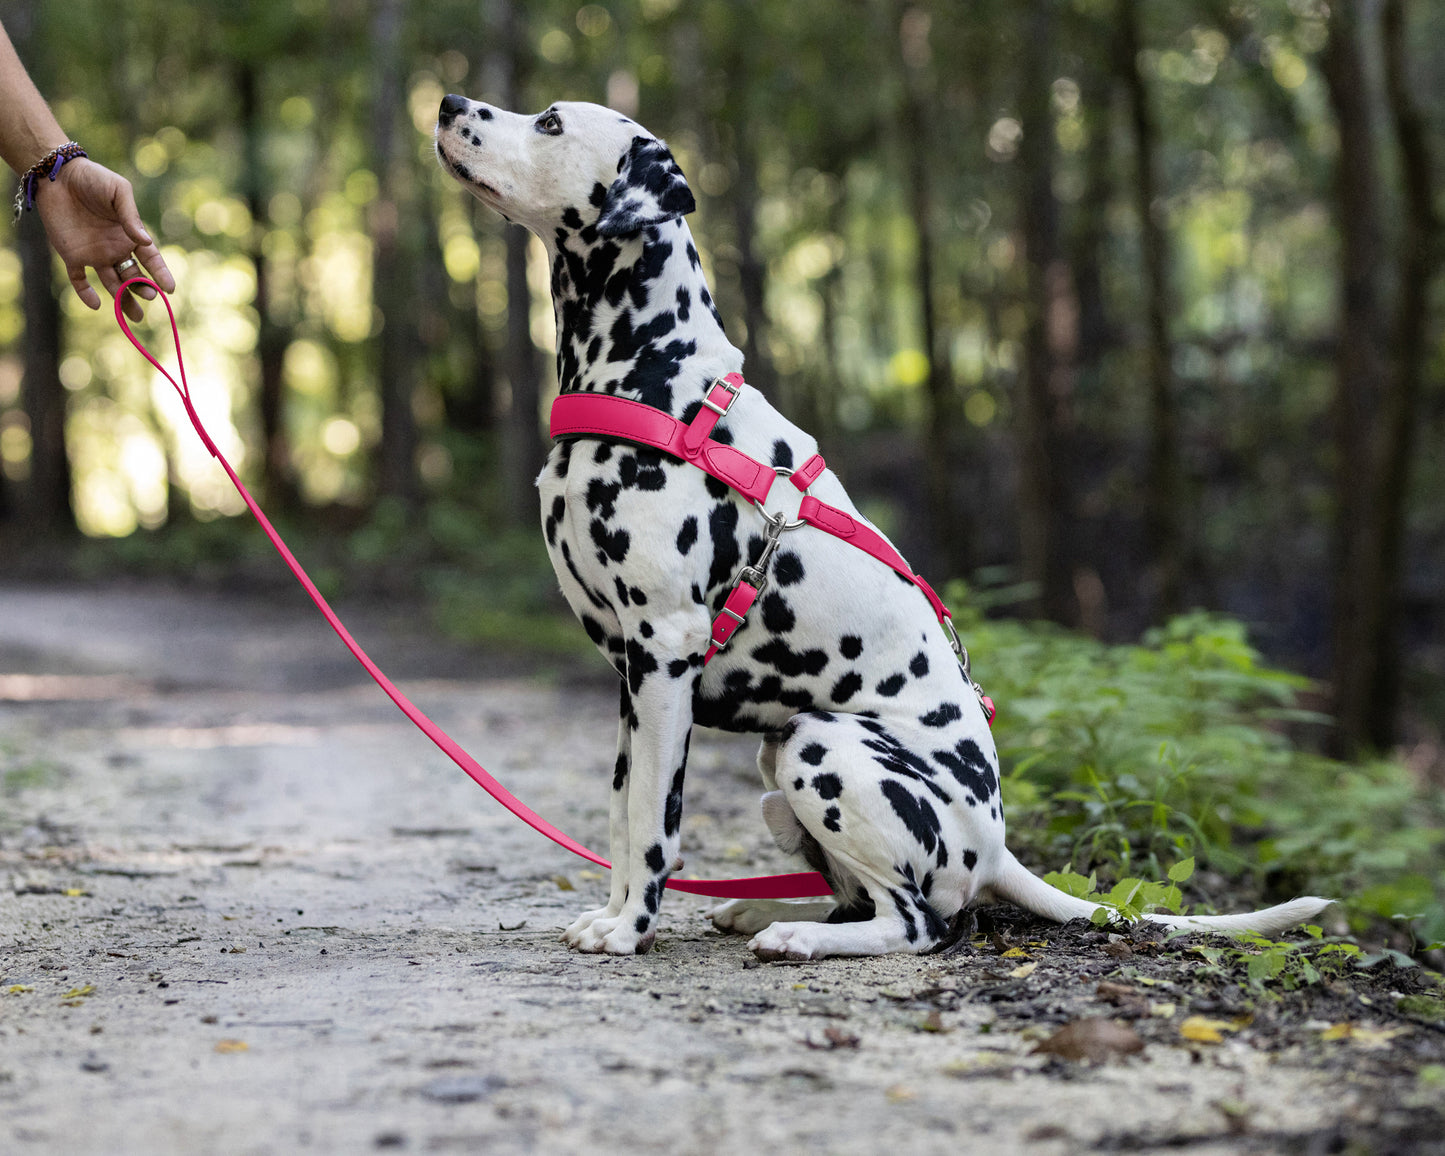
[919, 665]
[777, 614]
[610, 544]
[619, 772]
[971, 768]
[654, 858]
[828, 785]
[788, 568]
[782, 455]
[846, 687]
[813, 754]
[891, 685]
[850, 646]
[918, 816]
[687, 536]
[640, 663]
[970, 859]
[788, 662]
[831, 817]
[946, 713]
[672, 814]
[678, 667]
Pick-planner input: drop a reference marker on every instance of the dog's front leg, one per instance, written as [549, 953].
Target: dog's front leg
[660, 729]
[616, 826]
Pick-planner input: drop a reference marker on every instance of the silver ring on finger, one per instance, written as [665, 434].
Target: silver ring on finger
[127, 268]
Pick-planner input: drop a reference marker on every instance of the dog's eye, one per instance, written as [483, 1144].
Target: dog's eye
[550, 123]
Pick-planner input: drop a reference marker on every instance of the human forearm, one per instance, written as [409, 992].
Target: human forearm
[28, 129]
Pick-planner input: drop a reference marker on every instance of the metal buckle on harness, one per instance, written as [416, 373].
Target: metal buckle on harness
[732, 392]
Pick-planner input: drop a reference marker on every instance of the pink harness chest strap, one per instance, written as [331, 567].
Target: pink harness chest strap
[797, 885]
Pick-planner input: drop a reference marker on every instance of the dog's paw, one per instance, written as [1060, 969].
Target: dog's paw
[610, 935]
[579, 926]
[795, 941]
[747, 916]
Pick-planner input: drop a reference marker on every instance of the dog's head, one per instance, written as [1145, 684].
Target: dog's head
[574, 164]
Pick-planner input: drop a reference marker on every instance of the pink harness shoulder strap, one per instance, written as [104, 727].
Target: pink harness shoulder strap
[606, 416]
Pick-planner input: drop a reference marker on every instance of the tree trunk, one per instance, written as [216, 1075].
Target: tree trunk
[952, 529]
[277, 475]
[522, 448]
[1165, 512]
[1050, 340]
[391, 287]
[1360, 368]
[45, 505]
[1419, 264]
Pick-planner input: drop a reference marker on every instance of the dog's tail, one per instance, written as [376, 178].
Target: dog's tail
[1018, 884]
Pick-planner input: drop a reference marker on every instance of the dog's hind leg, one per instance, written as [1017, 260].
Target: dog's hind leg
[747, 916]
[879, 828]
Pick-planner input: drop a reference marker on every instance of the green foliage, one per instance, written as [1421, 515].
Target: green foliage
[1118, 760]
[1128, 899]
[1267, 962]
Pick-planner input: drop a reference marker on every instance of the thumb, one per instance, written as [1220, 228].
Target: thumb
[126, 213]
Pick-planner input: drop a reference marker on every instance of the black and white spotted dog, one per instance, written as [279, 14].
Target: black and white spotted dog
[876, 758]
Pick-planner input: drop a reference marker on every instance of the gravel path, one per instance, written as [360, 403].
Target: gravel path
[246, 908]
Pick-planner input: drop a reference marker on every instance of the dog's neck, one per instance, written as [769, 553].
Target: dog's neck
[635, 316]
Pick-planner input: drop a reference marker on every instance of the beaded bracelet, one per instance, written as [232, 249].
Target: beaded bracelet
[48, 166]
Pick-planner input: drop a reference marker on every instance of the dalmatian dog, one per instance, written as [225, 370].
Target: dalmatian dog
[876, 758]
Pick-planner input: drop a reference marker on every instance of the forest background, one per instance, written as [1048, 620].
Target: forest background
[1110, 310]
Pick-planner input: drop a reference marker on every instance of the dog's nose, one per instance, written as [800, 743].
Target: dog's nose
[452, 107]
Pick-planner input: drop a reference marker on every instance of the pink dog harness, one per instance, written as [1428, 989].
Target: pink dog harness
[605, 416]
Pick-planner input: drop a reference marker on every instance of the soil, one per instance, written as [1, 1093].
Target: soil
[245, 907]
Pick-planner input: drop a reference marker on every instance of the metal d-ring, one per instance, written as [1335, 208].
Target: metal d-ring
[784, 524]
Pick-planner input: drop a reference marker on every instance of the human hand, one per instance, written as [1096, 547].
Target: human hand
[91, 219]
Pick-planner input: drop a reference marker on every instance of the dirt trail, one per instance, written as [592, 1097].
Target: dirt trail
[246, 908]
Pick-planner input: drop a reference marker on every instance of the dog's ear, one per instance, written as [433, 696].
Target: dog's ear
[649, 189]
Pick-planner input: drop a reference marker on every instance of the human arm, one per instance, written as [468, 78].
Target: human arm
[88, 211]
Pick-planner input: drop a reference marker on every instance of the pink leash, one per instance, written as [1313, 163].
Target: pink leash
[793, 886]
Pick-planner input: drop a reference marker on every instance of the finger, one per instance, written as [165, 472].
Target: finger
[155, 265]
[145, 247]
[82, 286]
[112, 282]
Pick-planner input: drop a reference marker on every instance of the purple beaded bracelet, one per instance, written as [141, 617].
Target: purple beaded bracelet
[48, 166]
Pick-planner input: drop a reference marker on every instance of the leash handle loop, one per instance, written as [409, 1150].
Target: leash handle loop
[791, 886]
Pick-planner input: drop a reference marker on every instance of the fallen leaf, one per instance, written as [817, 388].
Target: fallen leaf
[1023, 971]
[1095, 1039]
[18, 989]
[228, 1047]
[75, 892]
[1162, 1010]
[1203, 1030]
[563, 883]
[900, 1094]
[1016, 953]
[1118, 949]
[1366, 1037]
[77, 992]
[1115, 991]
